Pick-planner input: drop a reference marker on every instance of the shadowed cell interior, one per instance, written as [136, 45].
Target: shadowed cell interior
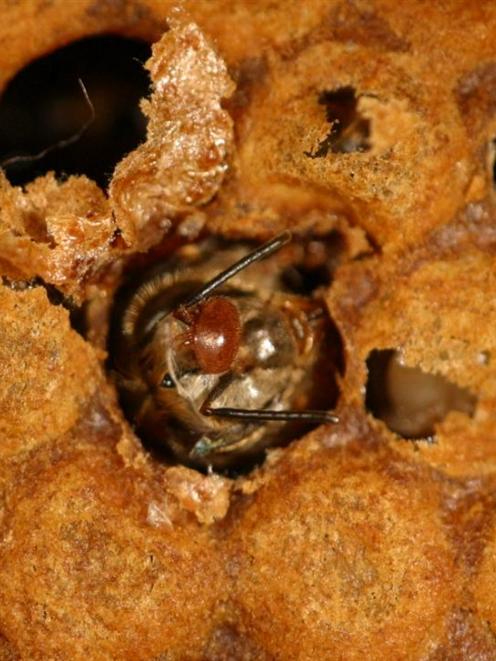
[349, 131]
[44, 109]
[410, 401]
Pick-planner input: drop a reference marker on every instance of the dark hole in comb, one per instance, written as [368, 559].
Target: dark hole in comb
[350, 132]
[316, 265]
[492, 161]
[410, 401]
[44, 106]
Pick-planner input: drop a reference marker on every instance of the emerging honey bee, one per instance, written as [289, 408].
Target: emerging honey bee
[221, 370]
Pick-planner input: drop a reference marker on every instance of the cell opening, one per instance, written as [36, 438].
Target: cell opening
[491, 162]
[410, 401]
[313, 264]
[44, 107]
[350, 131]
[274, 332]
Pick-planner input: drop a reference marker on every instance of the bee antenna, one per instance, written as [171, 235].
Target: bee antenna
[260, 253]
[264, 415]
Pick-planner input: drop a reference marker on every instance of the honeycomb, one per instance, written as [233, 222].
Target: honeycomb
[373, 123]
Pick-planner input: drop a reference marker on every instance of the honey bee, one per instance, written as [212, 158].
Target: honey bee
[219, 371]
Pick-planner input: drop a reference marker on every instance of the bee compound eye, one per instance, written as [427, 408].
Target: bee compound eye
[216, 335]
[167, 382]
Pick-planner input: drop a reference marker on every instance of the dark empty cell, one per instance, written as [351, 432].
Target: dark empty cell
[44, 107]
[315, 265]
[349, 132]
[409, 400]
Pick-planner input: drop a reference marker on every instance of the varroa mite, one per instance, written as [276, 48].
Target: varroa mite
[221, 370]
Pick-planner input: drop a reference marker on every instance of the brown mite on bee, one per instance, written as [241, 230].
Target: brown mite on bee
[220, 371]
